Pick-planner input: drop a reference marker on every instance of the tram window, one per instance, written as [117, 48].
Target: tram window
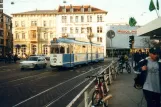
[61, 49]
[54, 50]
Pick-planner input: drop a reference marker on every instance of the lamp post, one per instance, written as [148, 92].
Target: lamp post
[90, 36]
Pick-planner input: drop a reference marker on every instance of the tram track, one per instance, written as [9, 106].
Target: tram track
[53, 94]
[30, 88]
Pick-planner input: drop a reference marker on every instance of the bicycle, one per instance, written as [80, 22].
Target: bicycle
[121, 67]
[99, 97]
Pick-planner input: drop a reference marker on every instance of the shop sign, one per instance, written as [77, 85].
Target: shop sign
[127, 31]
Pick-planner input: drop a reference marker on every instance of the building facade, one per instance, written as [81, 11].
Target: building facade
[6, 38]
[76, 22]
[33, 31]
[120, 43]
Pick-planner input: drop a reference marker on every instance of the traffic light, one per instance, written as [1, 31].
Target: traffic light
[131, 41]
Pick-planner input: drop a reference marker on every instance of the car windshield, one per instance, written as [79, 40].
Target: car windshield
[32, 58]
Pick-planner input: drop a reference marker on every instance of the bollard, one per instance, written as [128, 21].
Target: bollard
[86, 98]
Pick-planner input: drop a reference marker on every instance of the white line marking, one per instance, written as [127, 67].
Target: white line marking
[51, 88]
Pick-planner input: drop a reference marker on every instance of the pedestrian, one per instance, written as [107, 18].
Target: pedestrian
[152, 78]
[15, 58]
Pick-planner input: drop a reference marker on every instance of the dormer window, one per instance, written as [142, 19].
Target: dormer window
[64, 9]
[82, 9]
[89, 9]
[71, 8]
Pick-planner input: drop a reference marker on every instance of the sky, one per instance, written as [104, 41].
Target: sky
[119, 11]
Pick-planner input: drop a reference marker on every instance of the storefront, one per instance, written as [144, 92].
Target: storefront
[120, 43]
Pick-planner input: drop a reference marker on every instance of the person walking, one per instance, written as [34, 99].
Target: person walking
[152, 78]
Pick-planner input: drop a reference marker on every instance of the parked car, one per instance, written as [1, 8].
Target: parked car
[34, 62]
[46, 57]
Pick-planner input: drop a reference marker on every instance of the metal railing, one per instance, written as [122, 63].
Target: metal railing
[83, 99]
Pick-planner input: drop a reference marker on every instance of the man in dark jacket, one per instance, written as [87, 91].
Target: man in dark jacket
[152, 77]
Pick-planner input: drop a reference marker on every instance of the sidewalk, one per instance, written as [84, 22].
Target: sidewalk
[123, 92]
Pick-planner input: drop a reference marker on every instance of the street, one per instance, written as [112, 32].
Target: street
[43, 87]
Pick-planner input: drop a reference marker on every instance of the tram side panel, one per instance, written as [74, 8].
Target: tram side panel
[68, 60]
[80, 58]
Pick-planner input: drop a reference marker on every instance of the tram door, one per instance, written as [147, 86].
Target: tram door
[71, 55]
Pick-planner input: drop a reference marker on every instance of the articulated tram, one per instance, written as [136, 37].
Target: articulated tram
[69, 52]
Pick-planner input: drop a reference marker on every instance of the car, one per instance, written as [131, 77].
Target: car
[34, 62]
[45, 56]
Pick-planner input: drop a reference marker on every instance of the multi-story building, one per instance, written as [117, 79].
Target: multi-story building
[76, 22]
[7, 34]
[6, 39]
[33, 31]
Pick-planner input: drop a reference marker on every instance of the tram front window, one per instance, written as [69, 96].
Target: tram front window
[54, 49]
[57, 49]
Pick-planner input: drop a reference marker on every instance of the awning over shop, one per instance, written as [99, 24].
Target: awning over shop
[153, 28]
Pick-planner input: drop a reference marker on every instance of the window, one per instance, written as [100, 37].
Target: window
[90, 18]
[33, 34]
[64, 29]
[71, 19]
[82, 18]
[23, 35]
[45, 49]
[71, 30]
[50, 23]
[89, 9]
[23, 50]
[82, 9]
[82, 30]
[89, 29]
[71, 9]
[51, 35]
[33, 49]
[76, 19]
[33, 23]
[22, 23]
[17, 35]
[99, 29]
[44, 23]
[100, 39]
[99, 18]
[64, 19]
[62, 49]
[45, 35]
[16, 24]
[76, 30]
[1, 1]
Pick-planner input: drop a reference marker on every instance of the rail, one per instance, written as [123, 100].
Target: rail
[82, 99]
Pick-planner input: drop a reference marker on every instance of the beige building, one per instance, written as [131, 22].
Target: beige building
[33, 31]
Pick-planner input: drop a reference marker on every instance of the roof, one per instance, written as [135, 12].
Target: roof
[77, 9]
[37, 12]
[151, 29]
[65, 40]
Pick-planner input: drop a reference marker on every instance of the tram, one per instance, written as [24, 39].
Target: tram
[66, 52]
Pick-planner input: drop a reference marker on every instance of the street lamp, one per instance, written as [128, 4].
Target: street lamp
[90, 35]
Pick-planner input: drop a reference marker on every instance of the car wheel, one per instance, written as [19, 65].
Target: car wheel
[35, 67]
